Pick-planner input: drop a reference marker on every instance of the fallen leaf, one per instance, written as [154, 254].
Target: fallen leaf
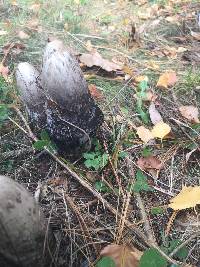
[189, 154]
[95, 92]
[141, 78]
[119, 118]
[35, 7]
[33, 24]
[150, 162]
[14, 3]
[191, 113]
[144, 134]
[196, 35]
[152, 65]
[2, 32]
[170, 52]
[189, 197]
[150, 96]
[4, 71]
[154, 114]
[173, 19]
[122, 255]
[22, 35]
[167, 80]
[160, 130]
[127, 70]
[95, 59]
[16, 48]
[89, 46]
[181, 49]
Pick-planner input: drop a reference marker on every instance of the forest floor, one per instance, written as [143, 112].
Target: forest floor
[120, 191]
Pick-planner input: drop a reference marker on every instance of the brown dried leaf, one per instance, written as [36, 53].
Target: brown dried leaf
[154, 114]
[33, 24]
[94, 91]
[167, 80]
[150, 96]
[22, 35]
[122, 255]
[150, 162]
[15, 47]
[4, 71]
[95, 59]
[196, 35]
[144, 134]
[191, 113]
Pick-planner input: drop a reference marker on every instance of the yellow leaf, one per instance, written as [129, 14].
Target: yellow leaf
[141, 78]
[189, 197]
[144, 134]
[160, 130]
[167, 79]
[152, 65]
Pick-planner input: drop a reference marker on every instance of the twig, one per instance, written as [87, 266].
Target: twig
[170, 222]
[184, 243]
[80, 218]
[148, 229]
[88, 36]
[105, 203]
[114, 171]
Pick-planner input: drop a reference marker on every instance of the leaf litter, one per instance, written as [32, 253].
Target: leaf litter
[152, 134]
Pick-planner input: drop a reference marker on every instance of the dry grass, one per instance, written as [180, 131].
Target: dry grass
[83, 219]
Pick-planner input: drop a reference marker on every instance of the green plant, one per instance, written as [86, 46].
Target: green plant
[146, 152]
[100, 186]
[169, 245]
[141, 95]
[97, 159]
[157, 210]
[3, 113]
[105, 262]
[44, 142]
[152, 258]
[140, 183]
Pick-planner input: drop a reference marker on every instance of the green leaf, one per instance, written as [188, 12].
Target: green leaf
[143, 85]
[157, 210]
[3, 113]
[140, 183]
[44, 135]
[144, 116]
[105, 262]
[89, 155]
[146, 152]
[122, 154]
[40, 144]
[196, 126]
[103, 159]
[100, 186]
[182, 253]
[152, 258]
